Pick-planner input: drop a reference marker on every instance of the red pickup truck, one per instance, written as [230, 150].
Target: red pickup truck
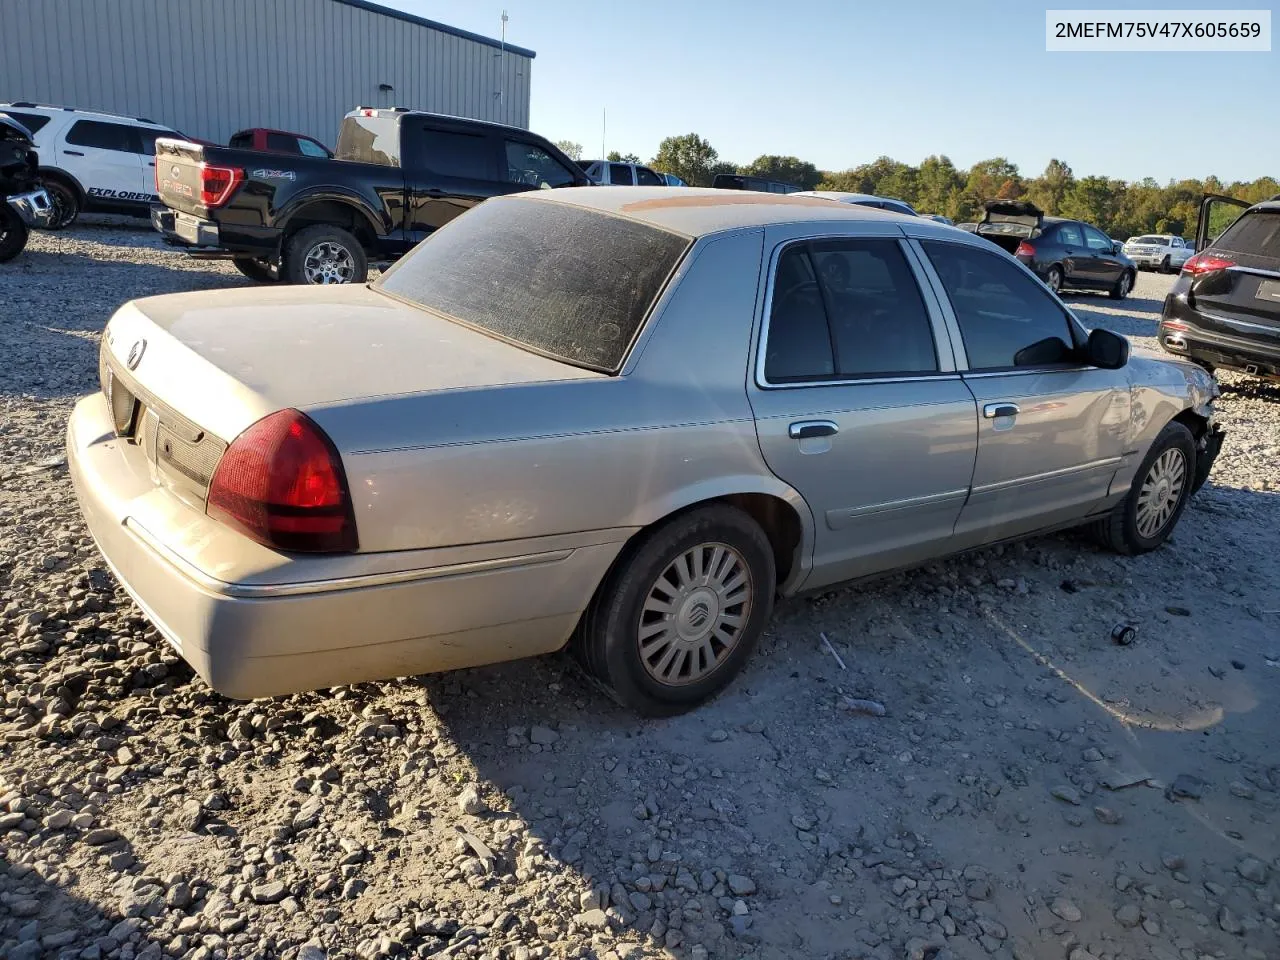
[279, 141]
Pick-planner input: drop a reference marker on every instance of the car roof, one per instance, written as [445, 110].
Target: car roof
[700, 211]
[842, 196]
[24, 105]
[442, 117]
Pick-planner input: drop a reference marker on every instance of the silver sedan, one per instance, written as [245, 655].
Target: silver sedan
[620, 419]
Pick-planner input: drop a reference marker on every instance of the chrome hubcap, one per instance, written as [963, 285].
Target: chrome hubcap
[1055, 281]
[1161, 492]
[329, 262]
[1124, 284]
[694, 614]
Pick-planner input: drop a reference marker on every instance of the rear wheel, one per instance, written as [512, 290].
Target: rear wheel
[681, 611]
[1053, 279]
[1164, 482]
[324, 254]
[259, 271]
[1166, 265]
[13, 233]
[1122, 287]
[64, 201]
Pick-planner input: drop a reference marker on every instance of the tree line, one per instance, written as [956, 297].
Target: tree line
[1118, 207]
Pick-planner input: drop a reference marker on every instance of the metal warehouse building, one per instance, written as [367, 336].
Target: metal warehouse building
[212, 67]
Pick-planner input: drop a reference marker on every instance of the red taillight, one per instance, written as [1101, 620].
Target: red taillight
[281, 482]
[1203, 263]
[1025, 250]
[217, 183]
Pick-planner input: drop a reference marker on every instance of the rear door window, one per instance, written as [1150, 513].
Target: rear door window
[282, 143]
[1001, 309]
[620, 174]
[1069, 235]
[846, 309]
[448, 153]
[101, 135]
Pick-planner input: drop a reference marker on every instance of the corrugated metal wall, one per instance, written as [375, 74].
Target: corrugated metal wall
[211, 67]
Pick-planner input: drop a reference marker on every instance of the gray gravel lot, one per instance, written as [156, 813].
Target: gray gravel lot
[1032, 791]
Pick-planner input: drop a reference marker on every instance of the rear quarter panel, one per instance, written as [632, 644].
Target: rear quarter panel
[603, 454]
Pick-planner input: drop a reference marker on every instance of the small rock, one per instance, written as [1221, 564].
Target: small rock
[741, 886]
[470, 802]
[58, 820]
[1237, 664]
[1067, 794]
[1173, 861]
[1229, 922]
[1080, 953]
[1091, 755]
[1151, 926]
[717, 736]
[544, 736]
[100, 836]
[979, 890]
[1065, 910]
[309, 951]
[1185, 786]
[272, 892]
[1242, 790]
[1107, 815]
[596, 919]
[871, 708]
[1129, 915]
[1253, 870]
[191, 815]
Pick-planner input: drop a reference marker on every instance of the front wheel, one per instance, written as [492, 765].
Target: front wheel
[13, 233]
[1159, 494]
[324, 254]
[1122, 287]
[65, 203]
[681, 611]
[1166, 265]
[260, 271]
[1053, 279]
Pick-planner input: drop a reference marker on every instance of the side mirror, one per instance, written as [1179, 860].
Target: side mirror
[1107, 350]
[1117, 246]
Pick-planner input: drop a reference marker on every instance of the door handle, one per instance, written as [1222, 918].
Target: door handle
[73, 153]
[993, 410]
[804, 429]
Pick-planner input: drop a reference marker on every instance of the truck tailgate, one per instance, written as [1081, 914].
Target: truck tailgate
[178, 177]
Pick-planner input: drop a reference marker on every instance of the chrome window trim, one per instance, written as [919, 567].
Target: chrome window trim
[944, 349]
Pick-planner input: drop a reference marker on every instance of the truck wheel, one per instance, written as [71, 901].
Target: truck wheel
[260, 271]
[65, 203]
[324, 254]
[13, 233]
[681, 611]
[1166, 265]
[1161, 487]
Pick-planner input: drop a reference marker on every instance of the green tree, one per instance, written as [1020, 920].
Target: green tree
[787, 169]
[616, 157]
[937, 183]
[994, 178]
[570, 149]
[1049, 189]
[689, 157]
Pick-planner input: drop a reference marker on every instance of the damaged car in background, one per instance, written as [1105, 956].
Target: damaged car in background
[23, 200]
[621, 419]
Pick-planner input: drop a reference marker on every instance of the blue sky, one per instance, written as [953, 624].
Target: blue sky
[841, 83]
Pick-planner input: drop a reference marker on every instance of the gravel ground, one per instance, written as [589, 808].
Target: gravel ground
[1032, 789]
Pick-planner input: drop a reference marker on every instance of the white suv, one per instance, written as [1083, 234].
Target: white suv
[96, 162]
[1159, 251]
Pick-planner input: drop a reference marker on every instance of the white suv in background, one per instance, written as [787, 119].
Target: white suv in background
[1163, 251]
[622, 174]
[95, 162]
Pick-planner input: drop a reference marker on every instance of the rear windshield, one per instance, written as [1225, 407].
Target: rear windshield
[1256, 231]
[369, 140]
[1153, 239]
[559, 280]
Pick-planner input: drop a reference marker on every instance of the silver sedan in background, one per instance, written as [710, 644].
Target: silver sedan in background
[624, 419]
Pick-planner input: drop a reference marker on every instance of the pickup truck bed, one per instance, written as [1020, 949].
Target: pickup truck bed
[396, 177]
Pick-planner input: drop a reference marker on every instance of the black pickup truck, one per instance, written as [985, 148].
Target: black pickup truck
[396, 176]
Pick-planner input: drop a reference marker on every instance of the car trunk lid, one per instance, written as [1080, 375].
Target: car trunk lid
[185, 374]
[1007, 223]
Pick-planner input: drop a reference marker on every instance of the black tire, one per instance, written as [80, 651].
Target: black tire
[1122, 286]
[608, 640]
[1119, 530]
[13, 233]
[259, 271]
[1053, 279]
[65, 201]
[1165, 265]
[346, 258]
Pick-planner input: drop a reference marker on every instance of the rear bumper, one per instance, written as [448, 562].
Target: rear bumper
[213, 240]
[182, 228]
[253, 640]
[33, 207]
[1184, 339]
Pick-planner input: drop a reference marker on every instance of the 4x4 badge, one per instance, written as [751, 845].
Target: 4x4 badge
[135, 354]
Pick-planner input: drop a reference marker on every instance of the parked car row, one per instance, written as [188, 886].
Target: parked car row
[105, 163]
[608, 418]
